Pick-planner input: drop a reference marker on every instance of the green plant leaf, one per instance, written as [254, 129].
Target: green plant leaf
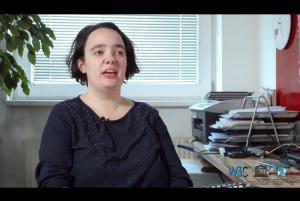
[10, 57]
[37, 31]
[9, 45]
[51, 34]
[25, 88]
[26, 19]
[1, 82]
[35, 17]
[1, 35]
[13, 16]
[4, 26]
[44, 28]
[25, 34]
[35, 43]
[23, 25]
[21, 36]
[15, 79]
[7, 36]
[31, 57]
[20, 71]
[7, 18]
[8, 81]
[30, 48]
[7, 91]
[46, 49]
[19, 41]
[13, 30]
[13, 42]
[6, 60]
[1, 64]
[20, 51]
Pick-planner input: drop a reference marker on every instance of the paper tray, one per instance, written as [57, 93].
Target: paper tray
[262, 138]
[261, 126]
[249, 115]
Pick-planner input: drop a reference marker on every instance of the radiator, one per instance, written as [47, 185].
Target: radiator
[31, 147]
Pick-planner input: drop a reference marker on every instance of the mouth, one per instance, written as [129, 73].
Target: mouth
[110, 72]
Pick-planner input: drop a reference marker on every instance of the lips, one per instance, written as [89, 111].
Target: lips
[110, 72]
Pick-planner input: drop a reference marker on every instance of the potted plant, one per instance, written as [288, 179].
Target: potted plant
[15, 29]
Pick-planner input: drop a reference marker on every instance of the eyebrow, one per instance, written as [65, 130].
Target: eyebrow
[103, 45]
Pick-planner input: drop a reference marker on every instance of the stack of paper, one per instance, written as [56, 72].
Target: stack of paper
[225, 123]
[213, 146]
[219, 137]
[263, 112]
[260, 109]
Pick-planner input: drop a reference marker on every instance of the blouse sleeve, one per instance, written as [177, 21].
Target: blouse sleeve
[55, 153]
[178, 176]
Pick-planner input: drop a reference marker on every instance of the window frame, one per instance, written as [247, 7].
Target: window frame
[134, 91]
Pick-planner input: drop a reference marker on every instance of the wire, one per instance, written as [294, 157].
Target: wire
[268, 152]
[271, 138]
[198, 153]
[219, 172]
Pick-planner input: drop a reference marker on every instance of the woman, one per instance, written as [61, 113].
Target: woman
[101, 139]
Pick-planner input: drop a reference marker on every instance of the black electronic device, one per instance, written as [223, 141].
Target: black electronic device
[292, 159]
[239, 154]
[225, 150]
[207, 112]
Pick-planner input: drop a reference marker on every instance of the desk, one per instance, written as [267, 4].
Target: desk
[222, 163]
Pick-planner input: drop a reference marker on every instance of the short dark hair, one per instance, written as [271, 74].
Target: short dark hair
[77, 52]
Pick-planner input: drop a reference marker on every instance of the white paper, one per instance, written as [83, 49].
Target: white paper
[220, 135]
[261, 109]
[226, 123]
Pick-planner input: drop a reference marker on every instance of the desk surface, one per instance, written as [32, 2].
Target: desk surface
[223, 162]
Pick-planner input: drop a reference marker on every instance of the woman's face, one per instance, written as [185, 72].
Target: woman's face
[104, 59]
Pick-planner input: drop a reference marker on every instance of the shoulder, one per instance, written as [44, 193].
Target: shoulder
[147, 111]
[144, 106]
[66, 105]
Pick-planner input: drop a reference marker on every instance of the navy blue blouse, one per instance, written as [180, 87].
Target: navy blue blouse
[78, 149]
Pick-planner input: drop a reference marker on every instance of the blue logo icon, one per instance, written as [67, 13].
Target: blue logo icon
[238, 171]
[281, 170]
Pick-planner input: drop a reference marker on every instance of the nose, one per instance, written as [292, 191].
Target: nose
[109, 59]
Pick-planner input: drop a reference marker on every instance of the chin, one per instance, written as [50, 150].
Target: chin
[112, 84]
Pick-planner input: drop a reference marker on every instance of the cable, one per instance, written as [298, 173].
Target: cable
[268, 152]
[198, 153]
[219, 172]
[272, 139]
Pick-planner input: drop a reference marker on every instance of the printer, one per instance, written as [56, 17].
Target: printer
[214, 104]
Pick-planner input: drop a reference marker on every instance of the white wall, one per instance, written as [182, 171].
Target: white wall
[247, 54]
[267, 53]
[236, 52]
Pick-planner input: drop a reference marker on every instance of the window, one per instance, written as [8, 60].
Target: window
[166, 47]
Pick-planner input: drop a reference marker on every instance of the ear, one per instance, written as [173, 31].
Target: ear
[81, 66]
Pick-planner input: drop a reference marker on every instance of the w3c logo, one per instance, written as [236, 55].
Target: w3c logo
[239, 170]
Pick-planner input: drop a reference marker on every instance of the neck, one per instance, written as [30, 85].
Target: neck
[108, 100]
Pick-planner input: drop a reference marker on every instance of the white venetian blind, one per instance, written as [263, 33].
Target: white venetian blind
[166, 46]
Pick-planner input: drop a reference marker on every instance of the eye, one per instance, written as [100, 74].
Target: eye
[119, 52]
[98, 52]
